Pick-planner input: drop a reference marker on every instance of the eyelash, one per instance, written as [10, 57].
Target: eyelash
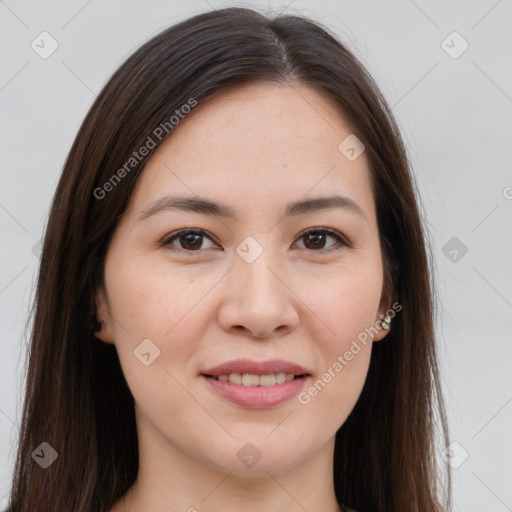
[166, 242]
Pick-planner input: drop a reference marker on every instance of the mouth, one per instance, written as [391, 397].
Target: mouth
[256, 385]
[265, 380]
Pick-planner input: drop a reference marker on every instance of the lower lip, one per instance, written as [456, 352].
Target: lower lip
[257, 397]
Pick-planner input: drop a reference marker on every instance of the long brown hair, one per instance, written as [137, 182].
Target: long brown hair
[76, 397]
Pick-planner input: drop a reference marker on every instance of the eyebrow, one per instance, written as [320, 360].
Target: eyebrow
[203, 206]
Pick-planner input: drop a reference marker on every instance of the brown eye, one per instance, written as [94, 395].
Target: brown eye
[189, 240]
[316, 239]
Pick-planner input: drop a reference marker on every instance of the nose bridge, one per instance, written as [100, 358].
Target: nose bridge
[257, 298]
[256, 269]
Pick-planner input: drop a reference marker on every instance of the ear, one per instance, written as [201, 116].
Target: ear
[382, 332]
[386, 307]
[389, 304]
[103, 317]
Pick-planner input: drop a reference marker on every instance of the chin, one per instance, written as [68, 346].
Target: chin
[257, 457]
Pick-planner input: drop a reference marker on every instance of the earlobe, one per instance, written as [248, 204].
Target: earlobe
[385, 315]
[388, 300]
[102, 332]
[383, 325]
[101, 326]
[386, 311]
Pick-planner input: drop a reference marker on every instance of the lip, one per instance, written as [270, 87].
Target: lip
[256, 367]
[256, 397]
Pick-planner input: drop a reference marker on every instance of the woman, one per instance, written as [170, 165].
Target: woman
[234, 308]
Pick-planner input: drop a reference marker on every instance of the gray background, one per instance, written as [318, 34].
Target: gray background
[455, 115]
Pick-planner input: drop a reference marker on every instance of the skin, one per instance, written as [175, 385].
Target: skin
[255, 149]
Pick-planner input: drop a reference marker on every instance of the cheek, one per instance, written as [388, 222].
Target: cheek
[333, 393]
[345, 306]
[345, 303]
[150, 302]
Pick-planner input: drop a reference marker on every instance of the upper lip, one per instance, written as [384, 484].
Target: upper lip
[242, 366]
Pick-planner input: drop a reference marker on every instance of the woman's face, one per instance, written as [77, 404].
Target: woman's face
[252, 288]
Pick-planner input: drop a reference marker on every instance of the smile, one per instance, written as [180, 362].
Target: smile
[256, 391]
[248, 379]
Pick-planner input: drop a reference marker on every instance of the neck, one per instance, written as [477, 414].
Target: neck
[170, 480]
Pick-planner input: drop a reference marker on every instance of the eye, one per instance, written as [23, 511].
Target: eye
[189, 239]
[315, 238]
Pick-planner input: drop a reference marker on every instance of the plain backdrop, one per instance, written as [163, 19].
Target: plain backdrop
[454, 107]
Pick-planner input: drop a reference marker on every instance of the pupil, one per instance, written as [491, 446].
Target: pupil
[192, 239]
[315, 239]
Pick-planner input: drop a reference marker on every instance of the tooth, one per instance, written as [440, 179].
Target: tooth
[235, 378]
[250, 380]
[268, 380]
[280, 377]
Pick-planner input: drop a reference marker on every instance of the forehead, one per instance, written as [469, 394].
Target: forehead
[258, 143]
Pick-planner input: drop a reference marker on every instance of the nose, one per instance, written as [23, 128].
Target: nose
[258, 300]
